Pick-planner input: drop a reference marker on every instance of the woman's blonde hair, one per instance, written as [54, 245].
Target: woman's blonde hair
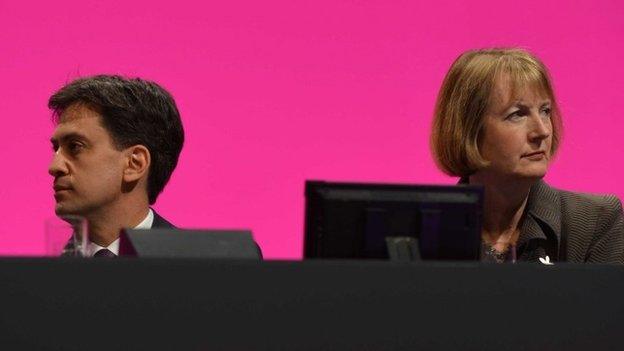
[464, 98]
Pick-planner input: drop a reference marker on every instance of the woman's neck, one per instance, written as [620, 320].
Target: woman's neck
[504, 204]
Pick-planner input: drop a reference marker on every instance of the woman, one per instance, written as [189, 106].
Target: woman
[497, 124]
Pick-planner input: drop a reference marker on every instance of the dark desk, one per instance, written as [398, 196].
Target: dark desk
[132, 304]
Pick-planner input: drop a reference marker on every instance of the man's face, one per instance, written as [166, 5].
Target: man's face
[87, 167]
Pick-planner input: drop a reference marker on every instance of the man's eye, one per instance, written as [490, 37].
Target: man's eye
[74, 147]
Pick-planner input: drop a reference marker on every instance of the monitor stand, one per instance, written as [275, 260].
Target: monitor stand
[403, 248]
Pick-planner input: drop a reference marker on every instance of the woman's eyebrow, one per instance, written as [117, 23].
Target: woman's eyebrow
[517, 104]
[521, 104]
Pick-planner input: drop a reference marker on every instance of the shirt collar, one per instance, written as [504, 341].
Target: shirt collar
[542, 214]
[146, 223]
[542, 219]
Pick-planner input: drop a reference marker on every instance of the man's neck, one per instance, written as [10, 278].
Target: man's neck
[106, 223]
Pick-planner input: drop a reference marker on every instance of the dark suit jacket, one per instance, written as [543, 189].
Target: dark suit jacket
[160, 222]
[571, 227]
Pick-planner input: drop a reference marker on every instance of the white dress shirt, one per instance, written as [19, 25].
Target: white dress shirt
[92, 247]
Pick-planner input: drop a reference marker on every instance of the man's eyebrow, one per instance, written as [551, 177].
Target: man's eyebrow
[68, 136]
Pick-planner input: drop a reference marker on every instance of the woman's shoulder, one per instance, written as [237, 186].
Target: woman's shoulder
[571, 202]
[593, 225]
[587, 201]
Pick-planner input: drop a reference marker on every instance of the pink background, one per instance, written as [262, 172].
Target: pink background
[275, 92]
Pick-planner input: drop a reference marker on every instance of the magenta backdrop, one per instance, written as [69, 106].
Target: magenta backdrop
[276, 92]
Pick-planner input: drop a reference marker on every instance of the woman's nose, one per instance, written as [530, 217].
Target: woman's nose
[540, 127]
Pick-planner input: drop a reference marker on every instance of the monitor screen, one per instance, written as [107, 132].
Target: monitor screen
[351, 220]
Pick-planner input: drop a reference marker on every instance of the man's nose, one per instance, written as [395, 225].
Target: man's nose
[58, 166]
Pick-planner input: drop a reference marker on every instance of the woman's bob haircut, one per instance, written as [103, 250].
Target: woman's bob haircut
[464, 99]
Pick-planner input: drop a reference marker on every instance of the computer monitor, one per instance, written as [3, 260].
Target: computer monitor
[400, 222]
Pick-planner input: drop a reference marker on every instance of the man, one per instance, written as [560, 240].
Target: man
[116, 144]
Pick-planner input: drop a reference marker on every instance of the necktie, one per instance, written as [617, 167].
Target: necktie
[104, 253]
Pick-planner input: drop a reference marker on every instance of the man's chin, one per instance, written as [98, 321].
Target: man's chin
[62, 209]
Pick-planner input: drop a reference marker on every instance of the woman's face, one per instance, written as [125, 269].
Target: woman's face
[517, 133]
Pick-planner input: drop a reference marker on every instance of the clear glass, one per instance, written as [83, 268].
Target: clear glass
[66, 236]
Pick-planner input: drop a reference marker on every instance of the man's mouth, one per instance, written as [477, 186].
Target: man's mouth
[61, 187]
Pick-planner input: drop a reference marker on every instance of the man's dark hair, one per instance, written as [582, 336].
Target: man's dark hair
[135, 112]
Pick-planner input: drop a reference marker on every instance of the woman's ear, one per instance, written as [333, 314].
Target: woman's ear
[138, 160]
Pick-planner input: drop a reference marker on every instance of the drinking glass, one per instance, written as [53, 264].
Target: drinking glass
[66, 236]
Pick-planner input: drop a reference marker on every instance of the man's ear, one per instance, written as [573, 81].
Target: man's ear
[138, 160]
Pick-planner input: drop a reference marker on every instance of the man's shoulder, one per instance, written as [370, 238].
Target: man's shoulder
[160, 222]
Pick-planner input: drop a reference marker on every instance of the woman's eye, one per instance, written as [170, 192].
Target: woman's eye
[515, 115]
[547, 111]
